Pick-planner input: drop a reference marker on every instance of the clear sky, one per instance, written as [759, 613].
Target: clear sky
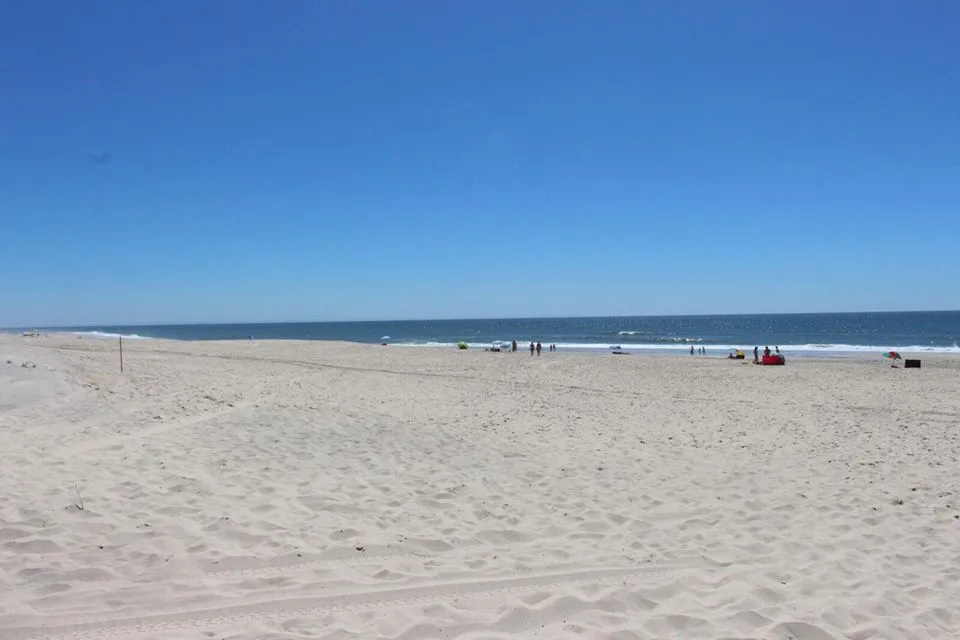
[243, 160]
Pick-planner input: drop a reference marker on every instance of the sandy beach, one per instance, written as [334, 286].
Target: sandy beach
[280, 490]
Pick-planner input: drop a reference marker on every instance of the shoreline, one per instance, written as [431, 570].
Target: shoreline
[438, 356]
[863, 353]
[808, 335]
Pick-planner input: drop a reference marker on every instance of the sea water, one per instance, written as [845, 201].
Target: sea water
[807, 334]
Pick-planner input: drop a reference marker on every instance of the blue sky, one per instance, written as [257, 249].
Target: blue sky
[273, 161]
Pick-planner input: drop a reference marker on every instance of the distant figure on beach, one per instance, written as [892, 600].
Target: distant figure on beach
[691, 349]
[766, 351]
[539, 347]
[514, 346]
[532, 347]
[756, 355]
[777, 349]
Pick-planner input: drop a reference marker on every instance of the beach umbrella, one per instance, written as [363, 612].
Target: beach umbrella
[893, 355]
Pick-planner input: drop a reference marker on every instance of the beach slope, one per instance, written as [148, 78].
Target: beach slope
[274, 490]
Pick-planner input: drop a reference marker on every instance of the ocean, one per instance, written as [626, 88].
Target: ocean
[800, 334]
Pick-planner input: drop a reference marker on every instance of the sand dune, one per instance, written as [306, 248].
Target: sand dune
[276, 490]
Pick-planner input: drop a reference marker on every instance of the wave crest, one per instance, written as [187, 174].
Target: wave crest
[103, 335]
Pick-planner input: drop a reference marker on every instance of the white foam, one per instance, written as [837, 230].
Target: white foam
[861, 348]
[103, 335]
[662, 339]
[472, 345]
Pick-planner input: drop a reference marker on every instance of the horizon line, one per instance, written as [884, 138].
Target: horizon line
[467, 319]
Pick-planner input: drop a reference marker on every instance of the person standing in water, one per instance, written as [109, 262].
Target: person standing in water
[539, 347]
[532, 347]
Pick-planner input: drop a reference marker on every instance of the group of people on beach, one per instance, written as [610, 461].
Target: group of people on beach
[535, 347]
[766, 352]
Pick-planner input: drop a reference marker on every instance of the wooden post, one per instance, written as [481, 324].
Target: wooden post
[121, 354]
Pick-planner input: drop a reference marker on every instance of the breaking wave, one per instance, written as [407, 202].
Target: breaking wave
[103, 335]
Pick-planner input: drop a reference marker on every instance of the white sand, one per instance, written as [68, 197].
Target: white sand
[307, 490]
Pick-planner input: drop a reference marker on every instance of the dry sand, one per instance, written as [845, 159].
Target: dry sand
[314, 490]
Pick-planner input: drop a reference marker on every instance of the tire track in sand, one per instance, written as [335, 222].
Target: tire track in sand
[106, 627]
[313, 563]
